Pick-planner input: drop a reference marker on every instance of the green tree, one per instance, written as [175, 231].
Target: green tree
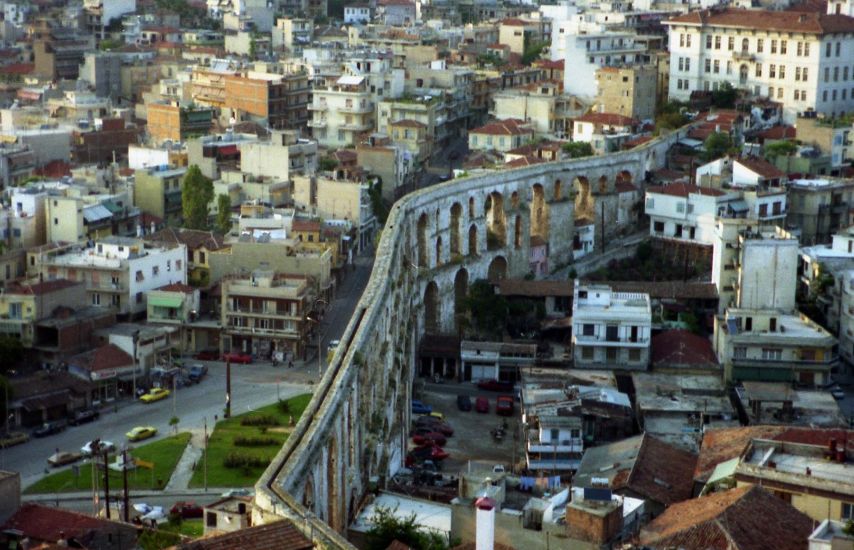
[5, 391]
[578, 149]
[327, 164]
[378, 203]
[223, 213]
[725, 96]
[533, 51]
[782, 148]
[716, 146]
[196, 194]
[108, 44]
[488, 311]
[11, 352]
[386, 528]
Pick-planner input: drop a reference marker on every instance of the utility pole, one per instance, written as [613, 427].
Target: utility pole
[96, 446]
[107, 481]
[227, 388]
[125, 482]
[205, 454]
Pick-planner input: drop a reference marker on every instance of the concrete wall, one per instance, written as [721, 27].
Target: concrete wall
[354, 431]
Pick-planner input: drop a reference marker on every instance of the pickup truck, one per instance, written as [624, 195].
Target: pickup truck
[197, 372]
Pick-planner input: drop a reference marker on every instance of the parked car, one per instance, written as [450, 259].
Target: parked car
[141, 432]
[422, 436]
[197, 372]
[50, 428]
[495, 385]
[155, 394]
[481, 405]
[150, 514]
[239, 493]
[434, 424]
[504, 405]
[429, 452]
[237, 357]
[837, 393]
[83, 416]
[420, 408]
[87, 449]
[10, 439]
[464, 403]
[61, 458]
[207, 355]
[187, 510]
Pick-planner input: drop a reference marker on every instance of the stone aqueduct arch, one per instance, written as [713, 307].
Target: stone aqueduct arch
[363, 398]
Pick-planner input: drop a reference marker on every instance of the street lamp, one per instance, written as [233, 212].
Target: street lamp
[320, 336]
[135, 337]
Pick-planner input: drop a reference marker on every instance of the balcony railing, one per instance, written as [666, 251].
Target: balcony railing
[582, 339]
[743, 55]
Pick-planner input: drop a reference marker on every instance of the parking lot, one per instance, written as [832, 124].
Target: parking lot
[472, 439]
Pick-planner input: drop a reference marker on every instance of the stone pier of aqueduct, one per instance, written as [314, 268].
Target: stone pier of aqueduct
[435, 243]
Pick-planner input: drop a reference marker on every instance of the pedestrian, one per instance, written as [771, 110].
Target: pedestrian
[290, 364]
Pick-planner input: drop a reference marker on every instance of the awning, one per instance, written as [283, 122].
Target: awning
[350, 80]
[35, 404]
[165, 301]
[739, 206]
[228, 150]
[96, 213]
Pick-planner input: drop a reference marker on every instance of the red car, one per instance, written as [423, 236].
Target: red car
[495, 385]
[433, 424]
[237, 357]
[207, 355]
[187, 510]
[429, 452]
[504, 405]
[423, 438]
[481, 405]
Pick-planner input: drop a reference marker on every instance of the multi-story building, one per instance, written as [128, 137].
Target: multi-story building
[610, 329]
[686, 212]
[342, 111]
[117, 271]
[103, 71]
[831, 136]
[17, 162]
[174, 122]
[605, 132]
[420, 115]
[157, 191]
[543, 105]
[266, 314]
[278, 99]
[99, 14]
[22, 305]
[754, 266]
[292, 34]
[285, 154]
[628, 91]
[819, 207]
[799, 59]
[58, 53]
[358, 14]
[503, 135]
[396, 13]
[587, 52]
[520, 34]
[334, 199]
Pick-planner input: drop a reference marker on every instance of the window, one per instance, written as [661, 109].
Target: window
[139, 276]
[800, 51]
[806, 49]
[730, 43]
[780, 92]
[56, 221]
[634, 354]
[797, 95]
[709, 41]
[612, 333]
[782, 72]
[847, 510]
[681, 41]
[611, 354]
[760, 44]
[155, 270]
[116, 300]
[210, 519]
[797, 73]
[587, 352]
[827, 49]
[178, 265]
[168, 265]
[835, 74]
[96, 299]
[772, 354]
[773, 46]
[783, 47]
[680, 207]
[717, 64]
[687, 65]
[729, 67]
[804, 74]
[658, 227]
[588, 329]
[688, 40]
[763, 210]
[838, 44]
[824, 95]
[717, 42]
[759, 69]
[708, 65]
[772, 71]
[745, 44]
[739, 352]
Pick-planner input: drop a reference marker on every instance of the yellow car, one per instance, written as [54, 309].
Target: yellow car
[141, 432]
[437, 414]
[155, 394]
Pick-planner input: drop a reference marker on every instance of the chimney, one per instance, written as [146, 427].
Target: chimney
[485, 525]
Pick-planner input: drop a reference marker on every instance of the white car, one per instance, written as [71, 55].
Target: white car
[87, 448]
[148, 513]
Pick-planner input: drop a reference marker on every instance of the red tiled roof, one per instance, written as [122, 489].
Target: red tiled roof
[766, 20]
[634, 142]
[305, 225]
[39, 289]
[514, 22]
[177, 287]
[746, 518]
[778, 132]
[527, 160]
[550, 64]
[683, 190]
[671, 290]
[280, 535]
[610, 119]
[662, 472]
[509, 127]
[409, 123]
[18, 68]
[761, 167]
[54, 169]
[722, 444]
[106, 357]
[682, 347]
[625, 187]
[48, 524]
[535, 289]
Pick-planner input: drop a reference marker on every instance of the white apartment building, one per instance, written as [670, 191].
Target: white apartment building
[357, 14]
[342, 111]
[685, 212]
[585, 53]
[805, 61]
[610, 329]
[754, 266]
[119, 271]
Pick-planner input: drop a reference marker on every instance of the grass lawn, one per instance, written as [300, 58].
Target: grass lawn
[221, 444]
[164, 453]
[189, 528]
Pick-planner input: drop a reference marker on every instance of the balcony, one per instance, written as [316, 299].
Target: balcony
[798, 363]
[251, 312]
[322, 108]
[317, 123]
[549, 464]
[534, 445]
[583, 340]
[358, 127]
[357, 109]
[13, 327]
[743, 55]
[268, 332]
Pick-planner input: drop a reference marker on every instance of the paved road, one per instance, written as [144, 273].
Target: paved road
[253, 386]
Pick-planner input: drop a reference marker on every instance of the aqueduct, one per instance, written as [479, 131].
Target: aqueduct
[436, 241]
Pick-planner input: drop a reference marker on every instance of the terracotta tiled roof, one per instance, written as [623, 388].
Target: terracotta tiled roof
[281, 535]
[634, 142]
[761, 167]
[550, 64]
[778, 132]
[177, 287]
[305, 225]
[682, 347]
[741, 519]
[537, 289]
[106, 357]
[662, 472]
[49, 524]
[675, 290]
[409, 123]
[345, 155]
[39, 289]
[720, 445]
[527, 160]
[611, 119]
[514, 22]
[766, 20]
[625, 187]
[509, 127]
[18, 68]
[683, 190]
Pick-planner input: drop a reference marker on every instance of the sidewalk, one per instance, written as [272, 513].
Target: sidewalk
[183, 472]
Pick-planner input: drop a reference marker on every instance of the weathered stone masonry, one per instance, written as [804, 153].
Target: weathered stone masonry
[436, 241]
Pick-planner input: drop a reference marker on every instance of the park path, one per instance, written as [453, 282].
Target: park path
[183, 472]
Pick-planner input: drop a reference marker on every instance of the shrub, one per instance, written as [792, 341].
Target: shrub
[284, 406]
[243, 460]
[255, 441]
[259, 420]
